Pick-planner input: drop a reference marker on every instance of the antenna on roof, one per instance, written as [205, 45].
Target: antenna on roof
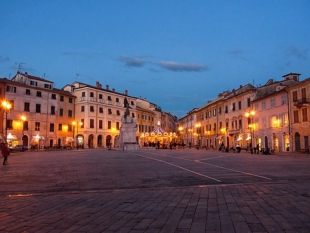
[20, 65]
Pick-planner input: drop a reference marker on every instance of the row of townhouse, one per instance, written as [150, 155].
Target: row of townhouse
[274, 116]
[79, 114]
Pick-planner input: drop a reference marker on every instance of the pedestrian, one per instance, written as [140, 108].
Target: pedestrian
[5, 152]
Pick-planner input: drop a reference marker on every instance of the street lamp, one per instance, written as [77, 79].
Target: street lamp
[6, 106]
[198, 127]
[250, 116]
[77, 123]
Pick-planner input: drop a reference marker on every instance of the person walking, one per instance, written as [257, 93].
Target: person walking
[5, 152]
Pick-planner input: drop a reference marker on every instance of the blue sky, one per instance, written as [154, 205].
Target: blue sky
[177, 54]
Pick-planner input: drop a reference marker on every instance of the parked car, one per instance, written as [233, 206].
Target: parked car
[18, 148]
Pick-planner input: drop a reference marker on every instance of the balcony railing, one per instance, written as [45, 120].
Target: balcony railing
[304, 102]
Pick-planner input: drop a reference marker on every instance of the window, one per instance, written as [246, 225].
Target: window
[239, 105]
[25, 125]
[70, 100]
[118, 112]
[100, 110]
[39, 94]
[61, 112]
[83, 94]
[272, 102]
[91, 108]
[296, 120]
[117, 125]
[26, 107]
[11, 89]
[70, 113]
[61, 98]
[234, 107]
[33, 83]
[92, 123]
[70, 128]
[240, 123]
[133, 115]
[283, 99]
[220, 110]
[9, 124]
[38, 108]
[109, 124]
[214, 126]
[226, 109]
[91, 95]
[53, 110]
[52, 127]
[109, 111]
[256, 107]
[248, 102]
[304, 115]
[132, 103]
[263, 105]
[48, 86]
[59, 127]
[82, 121]
[100, 124]
[303, 94]
[53, 96]
[117, 100]
[100, 96]
[27, 92]
[274, 121]
[264, 121]
[109, 98]
[214, 112]
[82, 108]
[294, 96]
[37, 126]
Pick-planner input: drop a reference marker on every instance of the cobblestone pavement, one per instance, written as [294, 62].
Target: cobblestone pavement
[182, 190]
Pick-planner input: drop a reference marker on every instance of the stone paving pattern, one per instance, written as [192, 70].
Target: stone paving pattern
[155, 191]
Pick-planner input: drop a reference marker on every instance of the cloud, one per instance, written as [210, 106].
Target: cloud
[179, 67]
[4, 59]
[298, 53]
[132, 61]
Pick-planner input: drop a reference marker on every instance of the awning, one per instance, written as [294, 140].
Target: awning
[11, 137]
[158, 130]
[37, 137]
[70, 139]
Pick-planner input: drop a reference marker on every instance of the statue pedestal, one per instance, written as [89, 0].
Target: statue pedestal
[127, 137]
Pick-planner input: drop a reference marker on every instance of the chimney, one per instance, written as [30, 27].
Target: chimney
[97, 84]
[126, 92]
[107, 87]
[113, 89]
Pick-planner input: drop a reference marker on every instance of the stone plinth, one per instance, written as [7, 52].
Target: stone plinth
[127, 137]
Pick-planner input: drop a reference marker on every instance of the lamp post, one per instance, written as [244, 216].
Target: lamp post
[198, 127]
[6, 106]
[180, 134]
[77, 123]
[23, 118]
[250, 116]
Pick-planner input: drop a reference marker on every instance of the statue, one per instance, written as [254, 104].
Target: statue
[126, 105]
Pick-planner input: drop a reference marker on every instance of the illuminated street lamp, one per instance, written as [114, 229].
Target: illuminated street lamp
[77, 123]
[198, 128]
[250, 116]
[6, 107]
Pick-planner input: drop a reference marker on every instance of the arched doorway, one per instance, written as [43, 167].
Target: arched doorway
[266, 142]
[297, 141]
[80, 141]
[108, 141]
[286, 142]
[91, 141]
[99, 141]
[25, 140]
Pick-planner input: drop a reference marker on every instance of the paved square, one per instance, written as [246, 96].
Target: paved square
[154, 191]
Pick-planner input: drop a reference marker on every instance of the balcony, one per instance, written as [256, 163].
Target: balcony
[304, 102]
[234, 131]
